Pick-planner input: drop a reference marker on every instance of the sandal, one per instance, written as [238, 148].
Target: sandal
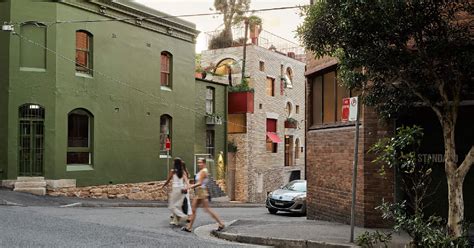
[185, 229]
[220, 228]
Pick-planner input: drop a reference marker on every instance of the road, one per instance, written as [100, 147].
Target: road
[112, 227]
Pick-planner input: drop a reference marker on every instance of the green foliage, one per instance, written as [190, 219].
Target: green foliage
[399, 151]
[231, 9]
[291, 120]
[242, 87]
[253, 21]
[373, 239]
[425, 232]
[232, 147]
[411, 51]
[222, 40]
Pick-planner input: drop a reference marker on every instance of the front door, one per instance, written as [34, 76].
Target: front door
[31, 140]
[288, 150]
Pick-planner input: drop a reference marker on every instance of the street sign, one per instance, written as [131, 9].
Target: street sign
[345, 109]
[168, 144]
[353, 108]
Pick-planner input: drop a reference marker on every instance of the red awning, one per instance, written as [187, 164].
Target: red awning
[273, 137]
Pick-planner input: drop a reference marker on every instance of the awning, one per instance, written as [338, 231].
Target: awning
[273, 137]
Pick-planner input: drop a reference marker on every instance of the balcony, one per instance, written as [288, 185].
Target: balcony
[241, 102]
[291, 123]
[213, 119]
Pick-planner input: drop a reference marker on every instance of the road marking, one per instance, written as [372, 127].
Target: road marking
[77, 204]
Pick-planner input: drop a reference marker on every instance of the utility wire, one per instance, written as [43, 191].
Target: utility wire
[160, 17]
[152, 96]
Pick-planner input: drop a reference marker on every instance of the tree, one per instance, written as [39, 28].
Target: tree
[402, 54]
[231, 9]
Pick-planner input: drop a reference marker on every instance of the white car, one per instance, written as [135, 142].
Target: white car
[289, 198]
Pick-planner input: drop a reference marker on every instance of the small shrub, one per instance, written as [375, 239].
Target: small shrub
[232, 147]
[374, 239]
[425, 232]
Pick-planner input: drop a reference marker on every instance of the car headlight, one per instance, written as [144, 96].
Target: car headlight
[269, 195]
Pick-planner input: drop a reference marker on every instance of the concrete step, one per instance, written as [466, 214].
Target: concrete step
[30, 179]
[31, 184]
[34, 191]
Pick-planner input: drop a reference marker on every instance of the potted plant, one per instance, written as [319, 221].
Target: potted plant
[241, 98]
[213, 119]
[200, 72]
[291, 123]
[255, 26]
[232, 147]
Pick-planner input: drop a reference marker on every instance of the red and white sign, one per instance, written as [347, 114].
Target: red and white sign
[349, 109]
[345, 109]
[168, 144]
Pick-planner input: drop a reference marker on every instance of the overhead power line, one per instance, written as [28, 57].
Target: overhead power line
[161, 17]
[153, 97]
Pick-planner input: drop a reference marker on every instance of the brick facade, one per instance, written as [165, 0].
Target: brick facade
[329, 159]
[256, 170]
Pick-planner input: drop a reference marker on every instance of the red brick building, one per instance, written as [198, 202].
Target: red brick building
[330, 152]
[330, 148]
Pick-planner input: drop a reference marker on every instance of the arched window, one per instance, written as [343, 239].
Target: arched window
[84, 52]
[79, 137]
[297, 148]
[166, 69]
[289, 78]
[226, 67]
[165, 134]
[31, 140]
[288, 109]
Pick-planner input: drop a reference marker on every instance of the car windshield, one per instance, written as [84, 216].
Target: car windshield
[296, 186]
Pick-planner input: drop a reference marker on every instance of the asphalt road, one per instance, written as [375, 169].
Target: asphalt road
[51, 226]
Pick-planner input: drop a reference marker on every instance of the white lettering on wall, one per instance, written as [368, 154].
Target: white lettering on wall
[433, 158]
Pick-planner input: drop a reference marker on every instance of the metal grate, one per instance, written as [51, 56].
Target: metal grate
[31, 139]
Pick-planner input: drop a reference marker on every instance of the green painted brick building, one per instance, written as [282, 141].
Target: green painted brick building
[93, 100]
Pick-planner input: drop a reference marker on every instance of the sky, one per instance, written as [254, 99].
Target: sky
[280, 22]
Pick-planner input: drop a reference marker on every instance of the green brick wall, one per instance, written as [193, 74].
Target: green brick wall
[123, 94]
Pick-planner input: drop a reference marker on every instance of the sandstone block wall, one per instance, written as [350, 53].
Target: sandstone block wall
[133, 191]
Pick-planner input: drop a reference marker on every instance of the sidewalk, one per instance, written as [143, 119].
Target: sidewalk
[307, 233]
[12, 198]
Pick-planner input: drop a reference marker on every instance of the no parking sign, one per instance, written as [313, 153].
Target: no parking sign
[349, 109]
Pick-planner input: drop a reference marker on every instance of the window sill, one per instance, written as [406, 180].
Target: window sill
[166, 88]
[84, 75]
[79, 167]
[332, 125]
[32, 69]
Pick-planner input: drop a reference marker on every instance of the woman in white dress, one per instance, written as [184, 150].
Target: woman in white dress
[178, 191]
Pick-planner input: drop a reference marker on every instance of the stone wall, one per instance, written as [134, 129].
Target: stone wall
[258, 171]
[133, 191]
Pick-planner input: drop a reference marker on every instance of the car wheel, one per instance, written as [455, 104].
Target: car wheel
[272, 210]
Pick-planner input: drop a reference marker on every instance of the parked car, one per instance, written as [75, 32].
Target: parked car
[289, 198]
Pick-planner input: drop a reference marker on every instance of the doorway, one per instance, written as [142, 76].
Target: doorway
[289, 150]
[31, 140]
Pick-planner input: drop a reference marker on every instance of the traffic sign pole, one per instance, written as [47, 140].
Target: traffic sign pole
[168, 148]
[354, 174]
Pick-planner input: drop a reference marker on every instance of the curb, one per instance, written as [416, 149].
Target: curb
[278, 242]
[7, 203]
[151, 205]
